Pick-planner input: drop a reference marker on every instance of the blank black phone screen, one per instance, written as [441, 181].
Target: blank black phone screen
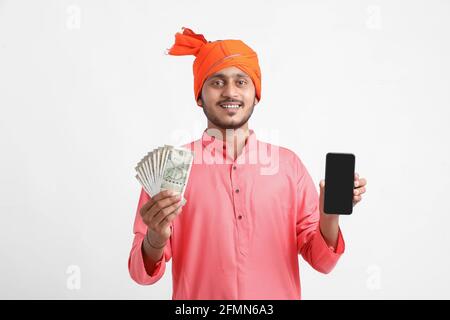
[339, 183]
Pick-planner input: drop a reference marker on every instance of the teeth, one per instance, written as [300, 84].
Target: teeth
[230, 106]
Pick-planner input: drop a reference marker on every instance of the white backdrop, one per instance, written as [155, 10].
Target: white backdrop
[86, 91]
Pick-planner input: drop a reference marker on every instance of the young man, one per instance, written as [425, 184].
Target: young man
[243, 226]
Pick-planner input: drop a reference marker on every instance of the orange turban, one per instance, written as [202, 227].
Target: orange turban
[214, 56]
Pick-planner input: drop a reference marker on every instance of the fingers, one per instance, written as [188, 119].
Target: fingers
[360, 182]
[359, 191]
[156, 208]
[357, 194]
[160, 208]
[161, 195]
[165, 212]
[356, 199]
[169, 218]
[145, 207]
[164, 194]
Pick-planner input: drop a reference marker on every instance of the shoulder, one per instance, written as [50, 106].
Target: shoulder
[285, 153]
[287, 158]
[191, 145]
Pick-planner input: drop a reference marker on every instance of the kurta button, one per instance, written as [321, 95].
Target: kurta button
[240, 217]
[234, 167]
[237, 190]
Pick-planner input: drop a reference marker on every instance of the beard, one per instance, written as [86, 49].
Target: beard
[227, 124]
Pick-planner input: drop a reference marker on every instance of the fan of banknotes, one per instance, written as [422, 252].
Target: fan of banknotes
[165, 168]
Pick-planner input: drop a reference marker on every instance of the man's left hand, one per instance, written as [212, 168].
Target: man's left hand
[359, 189]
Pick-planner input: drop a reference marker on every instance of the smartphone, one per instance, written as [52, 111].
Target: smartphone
[339, 183]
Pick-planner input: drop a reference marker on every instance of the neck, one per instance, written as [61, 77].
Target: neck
[235, 139]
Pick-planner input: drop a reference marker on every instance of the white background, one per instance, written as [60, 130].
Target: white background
[86, 91]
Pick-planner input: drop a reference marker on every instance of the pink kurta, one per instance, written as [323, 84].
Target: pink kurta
[243, 226]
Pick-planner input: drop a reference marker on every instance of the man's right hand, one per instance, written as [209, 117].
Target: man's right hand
[158, 213]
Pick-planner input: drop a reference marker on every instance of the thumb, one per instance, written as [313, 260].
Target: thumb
[322, 184]
[321, 195]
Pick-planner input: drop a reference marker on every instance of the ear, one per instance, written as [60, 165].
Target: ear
[199, 102]
[256, 102]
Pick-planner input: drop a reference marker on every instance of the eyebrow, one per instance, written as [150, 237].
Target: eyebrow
[234, 75]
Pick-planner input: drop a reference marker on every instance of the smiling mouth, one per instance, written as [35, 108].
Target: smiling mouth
[231, 105]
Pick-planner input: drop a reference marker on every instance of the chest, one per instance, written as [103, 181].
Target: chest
[218, 193]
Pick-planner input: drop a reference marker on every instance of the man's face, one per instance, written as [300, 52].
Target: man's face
[228, 98]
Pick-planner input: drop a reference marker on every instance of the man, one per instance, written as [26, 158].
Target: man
[242, 228]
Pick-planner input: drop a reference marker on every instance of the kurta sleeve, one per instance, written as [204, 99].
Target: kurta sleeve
[310, 242]
[136, 266]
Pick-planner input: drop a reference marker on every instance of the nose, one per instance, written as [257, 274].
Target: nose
[230, 91]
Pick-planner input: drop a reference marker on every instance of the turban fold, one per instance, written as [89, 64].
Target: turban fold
[214, 56]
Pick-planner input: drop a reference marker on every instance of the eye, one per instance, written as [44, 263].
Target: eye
[217, 82]
[242, 82]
